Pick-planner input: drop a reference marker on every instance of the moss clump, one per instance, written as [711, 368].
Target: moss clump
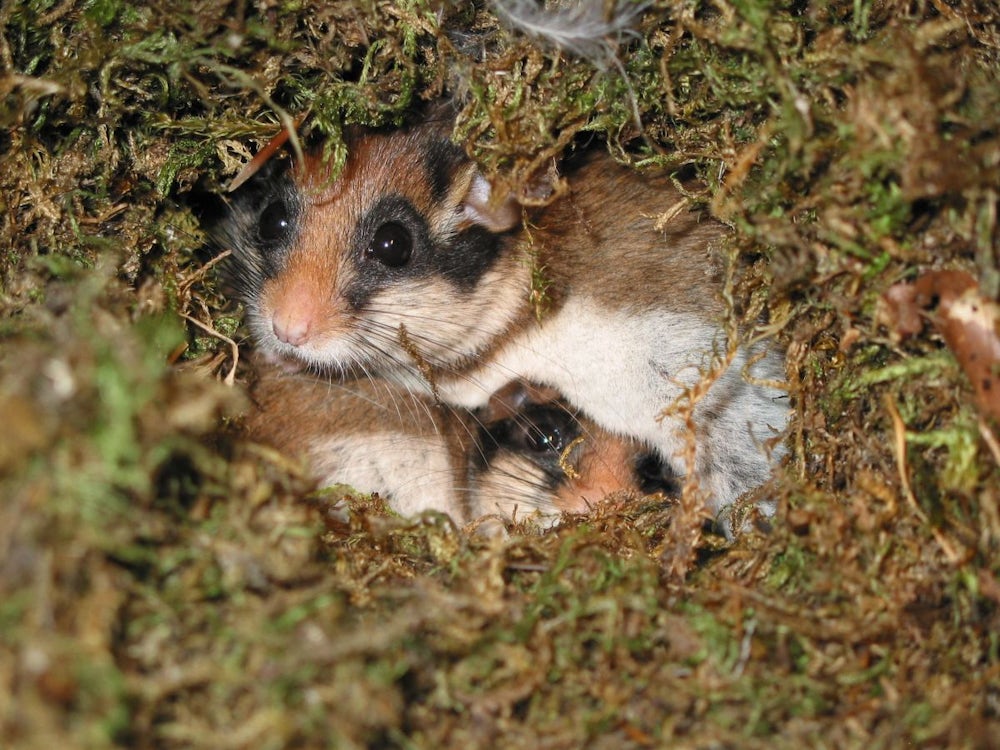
[164, 584]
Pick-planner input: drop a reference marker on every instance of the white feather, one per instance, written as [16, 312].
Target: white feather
[579, 28]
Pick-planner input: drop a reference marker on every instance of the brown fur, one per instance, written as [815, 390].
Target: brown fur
[295, 412]
[601, 240]
[292, 409]
[606, 465]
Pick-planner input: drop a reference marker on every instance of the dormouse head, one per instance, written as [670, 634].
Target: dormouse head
[402, 256]
[537, 453]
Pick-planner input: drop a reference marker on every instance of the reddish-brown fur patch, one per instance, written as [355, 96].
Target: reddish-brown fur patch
[306, 296]
[606, 466]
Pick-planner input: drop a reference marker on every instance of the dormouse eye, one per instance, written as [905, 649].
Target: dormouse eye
[546, 430]
[392, 245]
[275, 222]
[544, 437]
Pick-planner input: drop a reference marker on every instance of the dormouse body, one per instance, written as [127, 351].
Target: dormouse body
[524, 454]
[369, 434]
[407, 265]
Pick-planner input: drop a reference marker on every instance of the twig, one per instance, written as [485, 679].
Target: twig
[990, 438]
[564, 463]
[899, 429]
[189, 280]
[230, 379]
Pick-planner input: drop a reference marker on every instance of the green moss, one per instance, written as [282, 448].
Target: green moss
[208, 596]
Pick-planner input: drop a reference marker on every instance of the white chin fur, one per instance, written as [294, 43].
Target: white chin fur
[323, 354]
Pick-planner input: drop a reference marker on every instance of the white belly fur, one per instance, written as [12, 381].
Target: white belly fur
[624, 370]
[413, 473]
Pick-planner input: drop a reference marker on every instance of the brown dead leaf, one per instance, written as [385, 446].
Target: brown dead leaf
[968, 322]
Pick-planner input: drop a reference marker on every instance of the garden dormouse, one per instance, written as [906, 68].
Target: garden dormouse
[408, 266]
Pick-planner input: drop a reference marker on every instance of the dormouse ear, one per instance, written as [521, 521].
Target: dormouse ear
[512, 398]
[481, 206]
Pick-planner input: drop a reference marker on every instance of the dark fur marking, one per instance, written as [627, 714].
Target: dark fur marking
[471, 254]
[654, 475]
[525, 434]
[462, 261]
[440, 160]
[253, 259]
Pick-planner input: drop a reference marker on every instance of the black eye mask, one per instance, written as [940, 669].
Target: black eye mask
[540, 432]
[393, 240]
[258, 223]
[654, 475]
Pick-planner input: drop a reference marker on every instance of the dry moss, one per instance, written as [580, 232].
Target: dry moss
[163, 584]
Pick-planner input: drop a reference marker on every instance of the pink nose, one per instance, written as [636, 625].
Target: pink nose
[291, 329]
